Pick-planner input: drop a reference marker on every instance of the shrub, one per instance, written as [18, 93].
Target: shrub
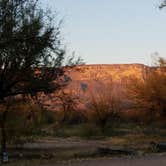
[103, 106]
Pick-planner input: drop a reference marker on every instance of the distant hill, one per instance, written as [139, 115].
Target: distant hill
[116, 71]
[85, 79]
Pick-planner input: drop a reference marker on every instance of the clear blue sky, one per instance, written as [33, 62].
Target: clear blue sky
[112, 31]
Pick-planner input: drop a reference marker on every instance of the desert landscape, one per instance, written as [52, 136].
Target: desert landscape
[91, 117]
[82, 92]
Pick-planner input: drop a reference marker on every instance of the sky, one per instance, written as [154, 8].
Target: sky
[112, 31]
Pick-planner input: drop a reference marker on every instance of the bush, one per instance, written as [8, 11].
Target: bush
[149, 94]
[103, 106]
[25, 121]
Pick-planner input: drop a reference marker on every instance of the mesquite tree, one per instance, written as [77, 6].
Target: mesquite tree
[31, 53]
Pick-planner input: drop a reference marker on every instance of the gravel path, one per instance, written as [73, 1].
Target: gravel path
[155, 160]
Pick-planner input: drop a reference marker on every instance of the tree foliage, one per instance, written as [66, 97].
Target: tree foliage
[30, 49]
[31, 54]
[150, 93]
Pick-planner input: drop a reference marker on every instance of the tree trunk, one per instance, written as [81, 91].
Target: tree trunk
[3, 137]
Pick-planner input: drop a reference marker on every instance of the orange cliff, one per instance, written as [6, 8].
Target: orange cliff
[102, 72]
[88, 78]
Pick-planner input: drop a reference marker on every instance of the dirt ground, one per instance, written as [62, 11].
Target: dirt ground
[79, 152]
[152, 160]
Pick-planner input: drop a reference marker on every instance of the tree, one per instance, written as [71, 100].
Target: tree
[68, 106]
[149, 94]
[159, 62]
[163, 4]
[103, 105]
[31, 53]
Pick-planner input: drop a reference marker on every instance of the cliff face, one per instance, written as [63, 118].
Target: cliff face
[88, 79]
[103, 72]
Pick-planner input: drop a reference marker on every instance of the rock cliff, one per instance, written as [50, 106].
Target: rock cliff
[85, 79]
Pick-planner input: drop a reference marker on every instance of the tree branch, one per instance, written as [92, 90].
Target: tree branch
[162, 4]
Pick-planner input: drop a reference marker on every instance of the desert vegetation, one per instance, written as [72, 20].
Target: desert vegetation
[126, 110]
[103, 117]
[31, 55]
[103, 105]
[149, 94]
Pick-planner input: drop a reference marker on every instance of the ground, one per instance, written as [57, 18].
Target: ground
[80, 146]
[149, 160]
[138, 161]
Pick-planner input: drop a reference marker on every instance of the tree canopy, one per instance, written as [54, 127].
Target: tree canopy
[30, 49]
[31, 54]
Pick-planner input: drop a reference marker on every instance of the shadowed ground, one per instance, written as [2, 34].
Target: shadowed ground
[153, 160]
